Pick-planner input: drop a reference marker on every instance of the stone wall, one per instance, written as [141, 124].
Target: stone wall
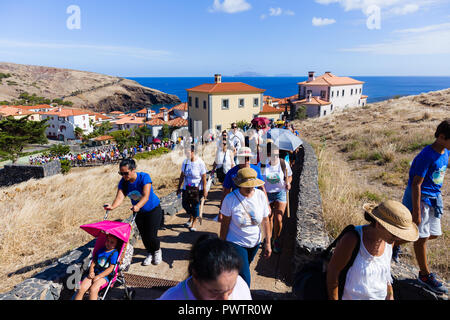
[58, 279]
[312, 238]
[16, 173]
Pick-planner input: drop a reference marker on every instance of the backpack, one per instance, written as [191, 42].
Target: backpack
[311, 281]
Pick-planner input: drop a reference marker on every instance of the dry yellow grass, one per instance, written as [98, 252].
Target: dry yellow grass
[40, 219]
[364, 156]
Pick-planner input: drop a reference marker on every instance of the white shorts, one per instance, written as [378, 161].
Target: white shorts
[429, 224]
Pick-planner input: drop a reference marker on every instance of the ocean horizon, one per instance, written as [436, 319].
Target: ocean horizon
[378, 88]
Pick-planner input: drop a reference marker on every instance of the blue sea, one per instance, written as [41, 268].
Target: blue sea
[377, 88]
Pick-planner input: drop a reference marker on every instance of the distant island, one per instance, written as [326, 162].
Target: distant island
[249, 74]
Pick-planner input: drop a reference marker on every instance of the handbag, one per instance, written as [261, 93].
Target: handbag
[192, 192]
[220, 173]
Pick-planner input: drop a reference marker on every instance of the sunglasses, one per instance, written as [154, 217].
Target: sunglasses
[124, 173]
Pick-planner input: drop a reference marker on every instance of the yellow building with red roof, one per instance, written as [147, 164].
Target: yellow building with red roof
[217, 105]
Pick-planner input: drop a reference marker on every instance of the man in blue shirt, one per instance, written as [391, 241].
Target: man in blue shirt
[423, 198]
[244, 155]
[138, 187]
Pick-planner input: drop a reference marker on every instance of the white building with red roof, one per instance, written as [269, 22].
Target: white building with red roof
[328, 93]
[175, 118]
[63, 122]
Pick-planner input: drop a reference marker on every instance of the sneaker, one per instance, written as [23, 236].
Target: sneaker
[432, 283]
[188, 224]
[396, 251]
[157, 258]
[276, 246]
[148, 260]
[192, 229]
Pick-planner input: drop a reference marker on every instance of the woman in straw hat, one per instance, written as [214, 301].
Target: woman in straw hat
[244, 210]
[369, 278]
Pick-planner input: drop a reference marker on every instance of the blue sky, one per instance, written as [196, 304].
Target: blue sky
[203, 37]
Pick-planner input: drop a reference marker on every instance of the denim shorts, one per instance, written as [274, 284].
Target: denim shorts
[277, 196]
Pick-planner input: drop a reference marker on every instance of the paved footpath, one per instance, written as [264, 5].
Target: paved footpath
[271, 277]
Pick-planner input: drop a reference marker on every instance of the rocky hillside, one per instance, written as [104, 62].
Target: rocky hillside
[365, 156]
[99, 92]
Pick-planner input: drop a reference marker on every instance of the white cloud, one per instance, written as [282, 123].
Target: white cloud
[406, 9]
[230, 6]
[393, 7]
[320, 22]
[425, 29]
[427, 40]
[106, 50]
[275, 11]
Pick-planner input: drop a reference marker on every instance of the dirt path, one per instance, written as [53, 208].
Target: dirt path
[270, 278]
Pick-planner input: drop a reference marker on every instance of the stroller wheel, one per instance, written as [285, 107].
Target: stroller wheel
[131, 295]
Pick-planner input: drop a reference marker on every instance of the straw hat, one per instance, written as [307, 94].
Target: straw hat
[395, 218]
[247, 178]
[245, 152]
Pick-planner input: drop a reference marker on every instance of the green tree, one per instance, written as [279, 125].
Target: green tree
[142, 133]
[59, 150]
[123, 139]
[79, 133]
[241, 124]
[166, 131]
[300, 114]
[15, 134]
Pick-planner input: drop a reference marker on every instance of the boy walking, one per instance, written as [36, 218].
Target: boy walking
[424, 199]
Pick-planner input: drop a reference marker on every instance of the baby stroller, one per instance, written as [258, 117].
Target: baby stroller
[122, 231]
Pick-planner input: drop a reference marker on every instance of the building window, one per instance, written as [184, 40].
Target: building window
[324, 112]
[360, 90]
[225, 104]
[256, 102]
[331, 108]
[332, 94]
[323, 94]
[190, 101]
[337, 93]
[204, 104]
[343, 92]
[241, 103]
[351, 92]
[196, 102]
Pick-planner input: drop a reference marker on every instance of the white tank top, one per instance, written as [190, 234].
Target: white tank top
[368, 277]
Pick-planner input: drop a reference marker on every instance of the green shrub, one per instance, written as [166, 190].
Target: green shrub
[367, 195]
[351, 146]
[151, 154]
[65, 166]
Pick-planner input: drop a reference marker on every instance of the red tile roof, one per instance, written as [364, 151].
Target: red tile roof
[269, 109]
[65, 112]
[314, 101]
[225, 87]
[329, 79]
[8, 111]
[182, 106]
[103, 138]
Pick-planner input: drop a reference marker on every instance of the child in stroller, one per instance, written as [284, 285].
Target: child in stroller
[101, 269]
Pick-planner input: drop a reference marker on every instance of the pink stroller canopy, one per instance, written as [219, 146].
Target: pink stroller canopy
[119, 229]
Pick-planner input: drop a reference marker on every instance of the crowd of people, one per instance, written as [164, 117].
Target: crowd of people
[108, 154]
[255, 193]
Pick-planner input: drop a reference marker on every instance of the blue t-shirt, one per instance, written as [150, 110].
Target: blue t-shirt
[105, 259]
[431, 166]
[136, 188]
[228, 182]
